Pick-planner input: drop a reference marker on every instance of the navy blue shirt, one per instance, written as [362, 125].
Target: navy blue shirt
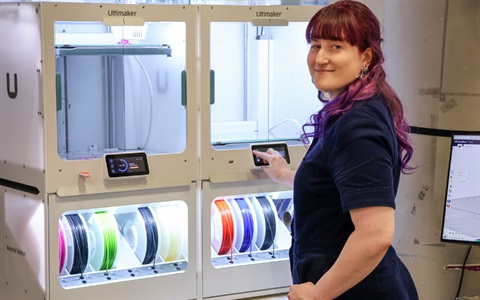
[356, 164]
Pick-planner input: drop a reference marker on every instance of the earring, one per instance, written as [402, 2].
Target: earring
[363, 71]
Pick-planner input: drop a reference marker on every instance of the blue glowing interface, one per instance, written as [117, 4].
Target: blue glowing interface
[127, 164]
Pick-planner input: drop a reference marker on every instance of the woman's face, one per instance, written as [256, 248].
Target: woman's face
[334, 64]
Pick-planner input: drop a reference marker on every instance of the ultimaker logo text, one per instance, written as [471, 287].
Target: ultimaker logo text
[122, 13]
[269, 14]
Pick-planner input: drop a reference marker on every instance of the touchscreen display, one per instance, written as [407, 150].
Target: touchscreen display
[127, 164]
[281, 148]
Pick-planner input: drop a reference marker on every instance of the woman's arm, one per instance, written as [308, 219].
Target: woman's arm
[363, 251]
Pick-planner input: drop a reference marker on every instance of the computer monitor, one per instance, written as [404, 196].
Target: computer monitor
[461, 214]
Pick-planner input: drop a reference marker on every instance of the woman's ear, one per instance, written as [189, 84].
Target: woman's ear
[367, 56]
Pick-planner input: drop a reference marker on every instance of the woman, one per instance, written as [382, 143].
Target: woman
[345, 187]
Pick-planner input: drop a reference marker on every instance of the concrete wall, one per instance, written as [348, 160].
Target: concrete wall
[432, 50]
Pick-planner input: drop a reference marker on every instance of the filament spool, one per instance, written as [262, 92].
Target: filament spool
[177, 216]
[222, 227]
[266, 216]
[105, 240]
[244, 221]
[140, 231]
[173, 223]
[62, 247]
[151, 230]
[77, 243]
[132, 229]
[161, 214]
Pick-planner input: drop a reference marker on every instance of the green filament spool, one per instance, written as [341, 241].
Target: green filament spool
[109, 232]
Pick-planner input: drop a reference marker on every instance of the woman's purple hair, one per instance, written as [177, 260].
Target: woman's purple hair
[353, 22]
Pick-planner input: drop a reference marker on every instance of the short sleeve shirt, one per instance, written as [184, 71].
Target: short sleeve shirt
[355, 165]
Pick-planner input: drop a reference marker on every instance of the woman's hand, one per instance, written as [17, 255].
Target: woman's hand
[277, 169]
[302, 291]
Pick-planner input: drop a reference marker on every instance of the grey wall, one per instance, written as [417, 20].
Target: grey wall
[432, 50]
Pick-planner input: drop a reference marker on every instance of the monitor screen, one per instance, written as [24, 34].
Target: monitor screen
[461, 217]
